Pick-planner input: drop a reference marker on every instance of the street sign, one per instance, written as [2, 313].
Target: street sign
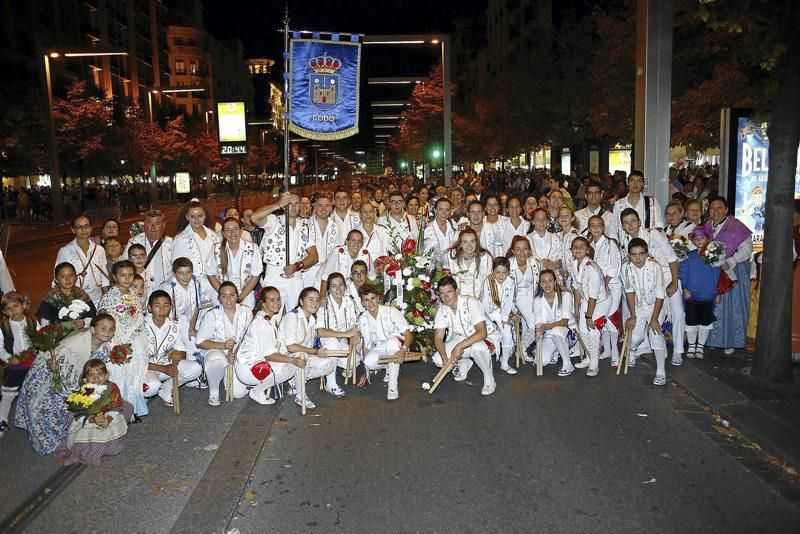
[183, 182]
[232, 128]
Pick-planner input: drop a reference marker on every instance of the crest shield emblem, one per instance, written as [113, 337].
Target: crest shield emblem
[323, 89]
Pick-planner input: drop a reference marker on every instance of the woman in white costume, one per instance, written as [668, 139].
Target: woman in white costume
[525, 270]
[608, 257]
[235, 260]
[553, 310]
[469, 263]
[546, 246]
[498, 301]
[592, 300]
[262, 344]
[517, 225]
[298, 329]
[496, 223]
[569, 231]
[221, 331]
[337, 321]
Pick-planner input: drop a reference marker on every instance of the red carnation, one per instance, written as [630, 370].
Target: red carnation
[416, 313]
[392, 269]
[426, 285]
[408, 246]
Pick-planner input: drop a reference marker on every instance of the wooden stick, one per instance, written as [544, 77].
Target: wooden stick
[176, 397]
[229, 377]
[539, 343]
[409, 357]
[337, 353]
[303, 388]
[623, 357]
[348, 369]
[446, 368]
[580, 340]
[520, 359]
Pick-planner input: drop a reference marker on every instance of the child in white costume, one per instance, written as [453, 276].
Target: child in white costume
[608, 256]
[190, 298]
[553, 307]
[498, 300]
[337, 321]
[221, 331]
[525, 270]
[262, 361]
[591, 294]
[298, 330]
[645, 291]
[165, 350]
[386, 333]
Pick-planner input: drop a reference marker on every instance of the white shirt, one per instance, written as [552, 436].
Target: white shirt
[187, 300]
[486, 237]
[376, 242]
[509, 233]
[298, 329]
[326, 240]
[89, 267]
[262, 339]
[160, 267]
[389, 323]
[350, 221]
[610, 220]
[494, 237]
[437, 241]
[587, 278]
[470, 275]
[21, 341]
[499, 314]
[547, 247]
[242, 264]
[462, 321]
[189, 244]
[340, 261]
[273, 245]
[525, 282]
[339, 317]
[161, 340]
[658, 247]
[215, 325]
[647, 282]
[656, 216]
[608, 257]
[546, 313]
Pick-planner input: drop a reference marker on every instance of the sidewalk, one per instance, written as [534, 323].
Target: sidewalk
[768, 414]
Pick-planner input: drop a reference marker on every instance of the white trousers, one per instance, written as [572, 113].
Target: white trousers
[216, 363]
[188, 370]
[477, 353]
[289, 288]
[678, 320]
[316, 368]
[591, 337]
[385, 348]
[335, 343]
[643, 338]
[554, 344]
[523, 301]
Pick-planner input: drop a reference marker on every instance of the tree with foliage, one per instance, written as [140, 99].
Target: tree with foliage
[421, 124]
[262, 159]
[770, 34]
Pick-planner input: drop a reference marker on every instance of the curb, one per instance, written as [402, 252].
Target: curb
[758, 425]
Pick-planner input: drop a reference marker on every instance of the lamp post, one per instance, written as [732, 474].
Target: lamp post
[50, 123]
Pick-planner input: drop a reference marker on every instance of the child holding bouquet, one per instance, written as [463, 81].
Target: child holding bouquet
[16, 357]
[60, 304]
[700, 280]
[98, 416]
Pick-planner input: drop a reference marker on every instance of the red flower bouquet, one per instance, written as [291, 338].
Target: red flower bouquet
[408, 246]
[120, 354]
[26, 358]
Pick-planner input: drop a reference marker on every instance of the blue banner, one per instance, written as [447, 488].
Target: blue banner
[324, 78]
[752, 168]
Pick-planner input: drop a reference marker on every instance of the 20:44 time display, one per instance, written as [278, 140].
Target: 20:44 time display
[233, 149]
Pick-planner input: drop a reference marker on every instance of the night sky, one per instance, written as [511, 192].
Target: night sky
[257, 24]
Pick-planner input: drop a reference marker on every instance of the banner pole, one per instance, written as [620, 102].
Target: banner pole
[287, 117]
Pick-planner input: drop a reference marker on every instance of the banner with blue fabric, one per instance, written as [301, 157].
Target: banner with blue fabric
[324, 88]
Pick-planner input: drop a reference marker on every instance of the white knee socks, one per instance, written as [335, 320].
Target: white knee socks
[9, 394]
[661, 358]
[215, 372]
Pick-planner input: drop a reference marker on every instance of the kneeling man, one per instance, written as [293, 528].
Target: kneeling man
[470, 338]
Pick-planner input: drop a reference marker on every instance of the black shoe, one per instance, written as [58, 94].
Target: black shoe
[135, 419]
[3, 427]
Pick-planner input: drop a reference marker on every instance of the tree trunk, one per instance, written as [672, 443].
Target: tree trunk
[773, 357]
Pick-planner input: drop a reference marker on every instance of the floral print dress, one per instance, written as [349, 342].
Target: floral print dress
[126, 309]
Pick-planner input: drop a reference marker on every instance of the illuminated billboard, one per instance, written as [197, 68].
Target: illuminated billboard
[232, 127]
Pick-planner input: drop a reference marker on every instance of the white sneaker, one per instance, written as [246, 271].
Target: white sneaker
[508, 369]
[527, 358]
[213, 399]
[660, 380]
[614, 362]
[488, 389]
[677, 359]
[728, 352]
[260, 398]
[336, 391]
[309, 405]
[165, 393]
[462, 369]
[583, 364]
[392, 394]
[698, 353]
[592, 371]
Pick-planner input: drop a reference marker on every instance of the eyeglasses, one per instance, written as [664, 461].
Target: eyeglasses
[396, 201]
[83, 227]
[358, 274]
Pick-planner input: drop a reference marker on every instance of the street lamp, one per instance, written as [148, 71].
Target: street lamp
[50, 123]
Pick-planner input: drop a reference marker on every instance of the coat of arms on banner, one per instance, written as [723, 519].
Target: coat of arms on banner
[323, 83]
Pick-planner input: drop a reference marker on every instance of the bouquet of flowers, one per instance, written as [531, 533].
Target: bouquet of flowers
[713, 253]
[74, 310]
[137, 228]
[120, 354]
[680, 245]
[89, 400]
[409, 279]
[46, 339]
[26, 358]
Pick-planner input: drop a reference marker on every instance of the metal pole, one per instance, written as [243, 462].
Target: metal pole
[447, 159]
[316, 171]
[52, 152]
[653, 94]
[287, 115]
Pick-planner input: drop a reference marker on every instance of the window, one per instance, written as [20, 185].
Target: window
[193, 67]
[180, 66]
[179, 41]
